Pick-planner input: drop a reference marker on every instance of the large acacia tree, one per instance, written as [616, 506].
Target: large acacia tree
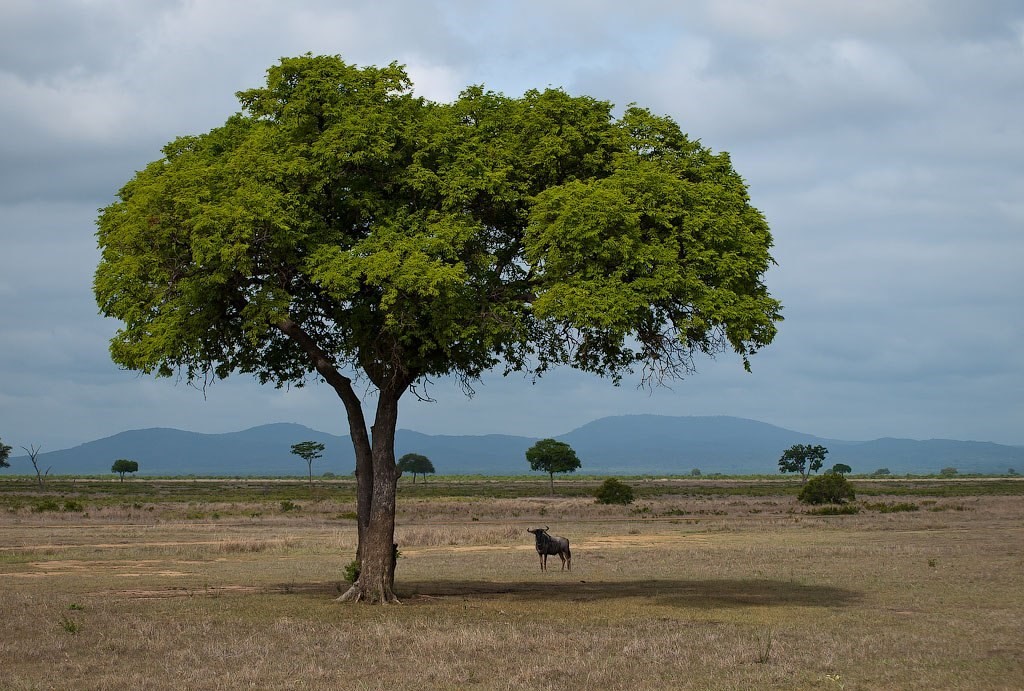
[341, 228]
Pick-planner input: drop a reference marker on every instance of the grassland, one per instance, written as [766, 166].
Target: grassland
[703, 584]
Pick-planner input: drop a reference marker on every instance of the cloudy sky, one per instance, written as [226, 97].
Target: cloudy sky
[883, 140]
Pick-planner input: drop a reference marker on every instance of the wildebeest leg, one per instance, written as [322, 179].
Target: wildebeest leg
[562, 555]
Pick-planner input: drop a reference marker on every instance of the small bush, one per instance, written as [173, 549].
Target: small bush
[614, 492]
[72, 505]
[830, 488]
[288, 505]
[70, 625]
[46, 505]
[352, 571]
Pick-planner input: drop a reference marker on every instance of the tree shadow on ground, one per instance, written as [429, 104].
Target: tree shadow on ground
[714, 593]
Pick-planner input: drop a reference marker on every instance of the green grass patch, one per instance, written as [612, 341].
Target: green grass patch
[72, 494]
[834, 510]
[882, 507]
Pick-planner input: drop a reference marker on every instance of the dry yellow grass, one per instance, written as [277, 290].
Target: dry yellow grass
[677, 592]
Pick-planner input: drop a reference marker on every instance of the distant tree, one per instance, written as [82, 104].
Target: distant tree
[552, 457]
[842, 469]
[829, 488]
[695, 472]
[949, 472]
[5, 453]
[612, 491]
[309, 451]
[803, 459]
[33, 453]
[882, 471]
[417, 464]
[1012, 472]
[123, 465]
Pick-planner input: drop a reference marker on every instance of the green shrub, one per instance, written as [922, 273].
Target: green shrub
[288, 505]
[70, 625]
[352, 571]
[614, 492]
[46, 505]
[830, 488]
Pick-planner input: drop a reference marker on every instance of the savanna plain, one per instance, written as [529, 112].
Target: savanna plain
[699, 584]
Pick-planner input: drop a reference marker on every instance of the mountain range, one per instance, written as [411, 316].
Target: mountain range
[619, 445]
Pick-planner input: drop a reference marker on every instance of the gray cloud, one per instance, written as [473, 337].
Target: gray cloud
[882, 140]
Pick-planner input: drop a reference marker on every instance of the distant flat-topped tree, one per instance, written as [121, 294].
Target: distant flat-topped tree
[552, 456]
[417, 464]
[123, 465]
[309, 451]
[339, 227]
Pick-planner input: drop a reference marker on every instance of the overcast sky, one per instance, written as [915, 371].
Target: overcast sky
[883, 140]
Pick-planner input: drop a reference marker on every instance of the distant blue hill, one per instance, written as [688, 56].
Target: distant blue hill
[628, 444]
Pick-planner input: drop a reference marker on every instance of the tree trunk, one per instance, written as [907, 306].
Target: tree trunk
[376, 474]
[552, 484]
[377, 540]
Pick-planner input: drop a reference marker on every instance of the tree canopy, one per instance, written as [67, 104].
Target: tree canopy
[339, 227]
[309, 451]
[415, 463]
[552, 456]
[803, 459]
[5, 453]
[123, 465]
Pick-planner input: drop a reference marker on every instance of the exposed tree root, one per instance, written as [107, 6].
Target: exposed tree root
[378, 597]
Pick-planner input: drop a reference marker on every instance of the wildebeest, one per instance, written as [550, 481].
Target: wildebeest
[551, 544]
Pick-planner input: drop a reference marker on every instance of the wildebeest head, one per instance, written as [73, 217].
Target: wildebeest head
[541, 534]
